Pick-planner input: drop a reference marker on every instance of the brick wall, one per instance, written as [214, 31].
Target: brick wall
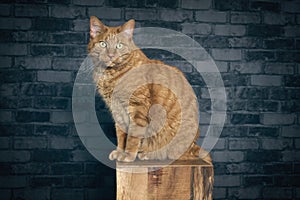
[255, 44]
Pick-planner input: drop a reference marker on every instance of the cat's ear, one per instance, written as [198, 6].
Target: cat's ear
[96, 26]
[128, 28]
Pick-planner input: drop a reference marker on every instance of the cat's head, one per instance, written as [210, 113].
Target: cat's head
[111, 45]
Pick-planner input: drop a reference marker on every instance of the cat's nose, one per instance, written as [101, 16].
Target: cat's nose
[110, 55]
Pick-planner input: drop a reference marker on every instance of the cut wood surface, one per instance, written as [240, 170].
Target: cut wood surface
[155, 180]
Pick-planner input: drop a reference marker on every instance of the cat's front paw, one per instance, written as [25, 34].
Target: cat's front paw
[143, 156]
[127, 157]
[116, 154]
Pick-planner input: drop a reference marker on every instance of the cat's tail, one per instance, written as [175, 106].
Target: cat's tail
[199, 153]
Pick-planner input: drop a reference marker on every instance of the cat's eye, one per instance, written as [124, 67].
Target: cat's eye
[119, 46]
[102, 44]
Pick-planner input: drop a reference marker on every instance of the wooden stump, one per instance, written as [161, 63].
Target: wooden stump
[181, 180]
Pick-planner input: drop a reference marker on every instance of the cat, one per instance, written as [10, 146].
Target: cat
[115, 55]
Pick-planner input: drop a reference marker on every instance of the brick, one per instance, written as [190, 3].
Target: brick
[14, 156]
[195, 28]
[59, 1]
[290, 131]
[88, 2]
[265, 30]
[245, 119]
[65, 90]
[14, 76]
[47, 50]
[194, 4]
[251, 93]
[227, 180]
[31, 11]
[263, 156]
[140, 14]
[278, 19]
[246, 67]
[15, 23]
[81, 25]
[54, 76]
[266, 80]
[62, 117]
[219, 193]
[75, 194]
[292, 31]
[66, 168]
[285, 180]
[239, 144]
[277, 193]
[30, 168]
[247, 42]
[279, 44]
[265, 106]
[5, 116]
[277, 119]
[257, 180]
[76, 51]
[235, 131]
[288, 56]
[236, 105]
[68, 38]
[51, 103]
[5, 194]
[51, 155]
[51, 24]
[30, 142]
[256, 55]
[33, 62]
[32, 193]
[290, 106]
[265, 6]
[41, 89]
[4, 142]
[276, 144]
[5, 10]
[297, 143]
[279, 68]
[290, 156]
[82, 155]
[175, 15]
[51, 130]
[67, 12]
[32, 116]
[231, 5]
[211, 16]
[244, 168]
[245, 193]
[230, 30]
[13, 49]
[5, 62]
[13, 181]
[105, 13]
[291, 6]
[221, 144]
[42, 181]
[9, 130]
[228, 156]
[62, 143]
[227, 54]
[245, 18]
[278, 168]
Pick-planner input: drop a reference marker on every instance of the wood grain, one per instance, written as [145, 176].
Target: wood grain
[181, 180]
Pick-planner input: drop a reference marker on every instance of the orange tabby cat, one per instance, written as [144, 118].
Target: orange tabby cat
[116, 56]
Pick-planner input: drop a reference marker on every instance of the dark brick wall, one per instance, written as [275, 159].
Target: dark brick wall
[255, 44]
